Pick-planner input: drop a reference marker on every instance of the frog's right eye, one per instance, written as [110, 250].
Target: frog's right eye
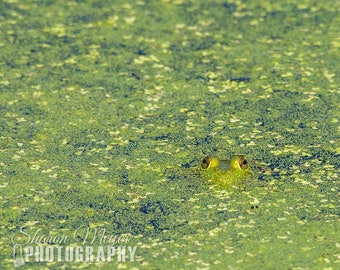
[205, 163]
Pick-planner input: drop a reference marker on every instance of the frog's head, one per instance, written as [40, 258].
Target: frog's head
[227, 173]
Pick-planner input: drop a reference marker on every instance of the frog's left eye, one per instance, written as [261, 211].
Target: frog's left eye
[205, 163]
[243, 163]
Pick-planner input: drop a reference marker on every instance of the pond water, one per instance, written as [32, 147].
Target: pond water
[109, 107]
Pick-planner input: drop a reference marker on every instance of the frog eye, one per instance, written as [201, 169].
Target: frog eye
[243, 163]
[205, 163]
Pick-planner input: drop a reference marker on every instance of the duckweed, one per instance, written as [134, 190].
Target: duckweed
[107, 106]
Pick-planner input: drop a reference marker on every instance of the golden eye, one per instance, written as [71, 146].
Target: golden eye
[243, 163]
[205, 163]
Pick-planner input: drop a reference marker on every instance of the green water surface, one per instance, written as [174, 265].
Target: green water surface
[108, 107]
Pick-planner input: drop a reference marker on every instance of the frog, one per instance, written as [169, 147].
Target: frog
[230, 174]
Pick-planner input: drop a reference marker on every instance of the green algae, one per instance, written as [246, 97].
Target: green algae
[108, 107]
